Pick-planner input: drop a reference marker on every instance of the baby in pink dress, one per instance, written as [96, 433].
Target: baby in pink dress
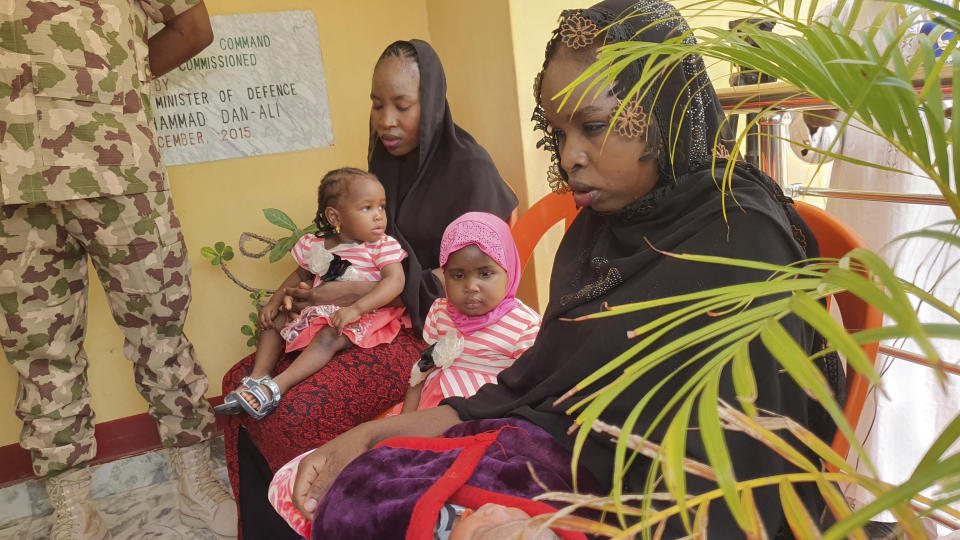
[350, 245]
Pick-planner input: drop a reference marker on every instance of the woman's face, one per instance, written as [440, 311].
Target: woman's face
[395, 104]
[605, 170]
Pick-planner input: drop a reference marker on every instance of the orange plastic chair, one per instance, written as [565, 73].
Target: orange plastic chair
[538, 219]
[835, 239]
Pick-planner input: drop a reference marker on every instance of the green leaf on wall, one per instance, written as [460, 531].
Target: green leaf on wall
[279, 218]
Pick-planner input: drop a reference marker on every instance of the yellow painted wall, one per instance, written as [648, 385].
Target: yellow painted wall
[474, 42]
[219, 200]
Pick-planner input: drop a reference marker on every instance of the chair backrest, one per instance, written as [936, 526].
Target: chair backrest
[538, 219]
[835, 239]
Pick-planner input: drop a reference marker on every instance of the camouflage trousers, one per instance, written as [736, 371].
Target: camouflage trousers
[135, 244]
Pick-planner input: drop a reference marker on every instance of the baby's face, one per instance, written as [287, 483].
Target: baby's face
[475, 283]
[495, 522]
[362, 211]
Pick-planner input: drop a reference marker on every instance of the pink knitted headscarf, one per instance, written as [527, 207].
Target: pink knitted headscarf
[492, 235]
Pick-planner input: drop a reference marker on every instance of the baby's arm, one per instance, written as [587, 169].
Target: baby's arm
[412, 401]
[389, 287]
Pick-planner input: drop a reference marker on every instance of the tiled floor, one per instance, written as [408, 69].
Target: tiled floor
[148, 512]
[137, 497]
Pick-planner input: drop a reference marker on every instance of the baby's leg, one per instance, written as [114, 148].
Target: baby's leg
[269, 349]
[326, 343]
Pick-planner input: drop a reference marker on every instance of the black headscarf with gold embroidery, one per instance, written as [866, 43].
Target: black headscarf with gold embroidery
[687, 120]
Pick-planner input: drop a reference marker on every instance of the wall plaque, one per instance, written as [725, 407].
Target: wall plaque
[259, 88]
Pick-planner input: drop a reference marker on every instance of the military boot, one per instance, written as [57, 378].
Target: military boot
[76, 516]
[204, 503]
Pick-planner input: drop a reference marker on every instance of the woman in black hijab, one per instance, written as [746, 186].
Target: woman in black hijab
[650, 182]
[431, 177]
[432, 171]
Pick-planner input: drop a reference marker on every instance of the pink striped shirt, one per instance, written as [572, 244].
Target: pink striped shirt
[367, 258]
[486, 352]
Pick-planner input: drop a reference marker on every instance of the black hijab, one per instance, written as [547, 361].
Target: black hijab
[606, 259]
[447, 175]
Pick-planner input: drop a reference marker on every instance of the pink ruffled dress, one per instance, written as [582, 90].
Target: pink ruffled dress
[366, 260]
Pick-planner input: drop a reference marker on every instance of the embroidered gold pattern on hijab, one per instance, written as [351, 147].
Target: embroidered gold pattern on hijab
[632, 120]
[577, 31]
[555, 180]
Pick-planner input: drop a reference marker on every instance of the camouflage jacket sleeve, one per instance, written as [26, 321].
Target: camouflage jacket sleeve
[162, 11]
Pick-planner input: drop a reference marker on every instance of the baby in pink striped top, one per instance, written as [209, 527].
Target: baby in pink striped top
[480, 328]
[350, 244]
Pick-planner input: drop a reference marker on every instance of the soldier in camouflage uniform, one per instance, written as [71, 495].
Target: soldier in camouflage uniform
[81, 176]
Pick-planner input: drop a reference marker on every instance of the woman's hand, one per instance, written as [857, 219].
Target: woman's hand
[297, 298]
[337, 293]
[318, 470]
[344, 316]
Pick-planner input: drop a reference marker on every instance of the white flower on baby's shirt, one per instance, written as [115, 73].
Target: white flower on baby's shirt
[447, 349]
[320, 259]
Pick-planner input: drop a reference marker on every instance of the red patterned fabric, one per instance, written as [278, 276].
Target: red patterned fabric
[357, 385]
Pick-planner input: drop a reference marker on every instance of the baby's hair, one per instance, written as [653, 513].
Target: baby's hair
[332, 186]
[401, 49]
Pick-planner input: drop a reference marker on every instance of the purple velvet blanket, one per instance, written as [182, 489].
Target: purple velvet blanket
[398, 488]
